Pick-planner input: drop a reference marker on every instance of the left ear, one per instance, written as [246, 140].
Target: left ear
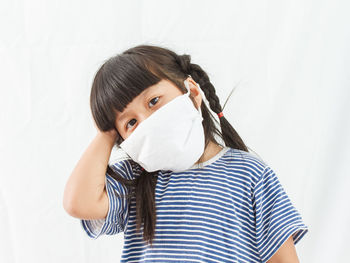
[195, 93]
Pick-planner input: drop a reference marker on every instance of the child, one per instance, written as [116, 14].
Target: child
[187, 191]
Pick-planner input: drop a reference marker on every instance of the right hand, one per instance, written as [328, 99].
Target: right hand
[111, 135]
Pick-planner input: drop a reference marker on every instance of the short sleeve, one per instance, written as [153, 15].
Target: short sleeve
[276, 218]
[116, 218]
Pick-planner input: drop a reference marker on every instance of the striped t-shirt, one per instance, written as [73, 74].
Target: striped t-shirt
[231, 209]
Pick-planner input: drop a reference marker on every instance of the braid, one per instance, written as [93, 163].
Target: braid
[198, 75]
[229, 134]
[184, 62]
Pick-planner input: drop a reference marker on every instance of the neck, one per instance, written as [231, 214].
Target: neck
[210, 151]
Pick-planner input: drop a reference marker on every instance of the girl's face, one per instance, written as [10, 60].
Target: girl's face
[148, 101]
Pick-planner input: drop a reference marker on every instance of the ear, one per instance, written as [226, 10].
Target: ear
[195, 93]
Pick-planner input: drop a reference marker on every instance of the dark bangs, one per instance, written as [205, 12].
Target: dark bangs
[119, 80]
[125, 78]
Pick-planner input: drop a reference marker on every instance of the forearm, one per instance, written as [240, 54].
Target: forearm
[87, 181]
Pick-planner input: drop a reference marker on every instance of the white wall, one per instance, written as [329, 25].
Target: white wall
[290, 58]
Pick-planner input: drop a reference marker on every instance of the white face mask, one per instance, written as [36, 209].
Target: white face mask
[171, 138]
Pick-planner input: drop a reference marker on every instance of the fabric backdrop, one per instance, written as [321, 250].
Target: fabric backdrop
[288, 61]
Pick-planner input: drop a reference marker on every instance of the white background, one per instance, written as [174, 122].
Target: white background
[290, 58]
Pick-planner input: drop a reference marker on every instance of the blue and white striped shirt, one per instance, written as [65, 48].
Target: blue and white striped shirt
[233, 209]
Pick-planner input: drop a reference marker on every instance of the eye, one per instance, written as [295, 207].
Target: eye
[154, 100]
[131, 121]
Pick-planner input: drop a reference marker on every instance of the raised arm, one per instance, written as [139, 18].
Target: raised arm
[85, 195]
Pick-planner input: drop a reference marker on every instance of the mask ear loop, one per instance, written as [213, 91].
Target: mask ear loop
[188, 91]
[187, 87]
[204, 99]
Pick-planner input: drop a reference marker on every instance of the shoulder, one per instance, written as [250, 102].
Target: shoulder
[245, 164]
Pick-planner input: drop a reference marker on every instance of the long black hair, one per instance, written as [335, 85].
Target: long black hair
[124, 76]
